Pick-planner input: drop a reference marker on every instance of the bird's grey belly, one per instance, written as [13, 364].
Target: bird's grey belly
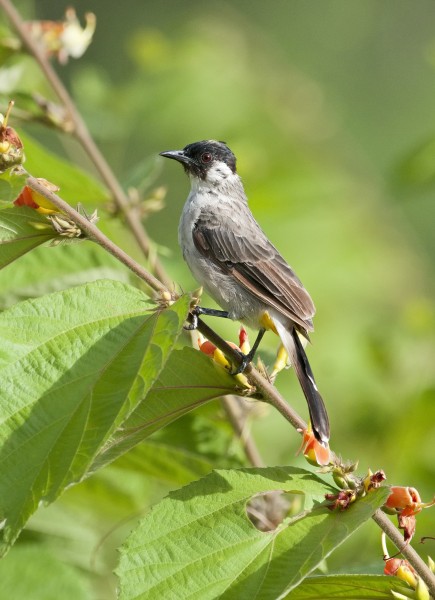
[228, 293]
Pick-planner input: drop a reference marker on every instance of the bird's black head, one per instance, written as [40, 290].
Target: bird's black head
[198, 158]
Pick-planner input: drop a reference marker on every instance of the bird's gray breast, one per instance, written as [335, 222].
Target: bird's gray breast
[219, 284]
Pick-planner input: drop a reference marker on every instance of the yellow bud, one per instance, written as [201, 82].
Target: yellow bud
[405, 574]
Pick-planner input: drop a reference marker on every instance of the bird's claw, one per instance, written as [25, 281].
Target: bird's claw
[244, 362]
[194, 320]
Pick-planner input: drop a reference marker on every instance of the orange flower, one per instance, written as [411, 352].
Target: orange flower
[404, 498]
[406, 502]
[11, 147]
[313, 450]
[219, 357]
[32, 199]
[400, 568]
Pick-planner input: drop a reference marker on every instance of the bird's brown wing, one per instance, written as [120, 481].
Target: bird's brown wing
[257, 265]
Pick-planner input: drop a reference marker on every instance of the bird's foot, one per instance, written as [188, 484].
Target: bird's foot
[198, 310]
[245, 359]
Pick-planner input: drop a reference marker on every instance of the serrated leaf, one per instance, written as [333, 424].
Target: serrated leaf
[188, 380]
[21, 230]
[344, 587]
[73, 366]
[199, 544]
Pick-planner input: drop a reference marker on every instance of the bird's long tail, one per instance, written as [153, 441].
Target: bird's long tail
[299, 361]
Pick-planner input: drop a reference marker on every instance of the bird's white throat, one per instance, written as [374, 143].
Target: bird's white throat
[218, 176]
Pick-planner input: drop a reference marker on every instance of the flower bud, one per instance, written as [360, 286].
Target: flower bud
[11, 147]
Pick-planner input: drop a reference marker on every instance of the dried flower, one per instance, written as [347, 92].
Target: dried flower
[64, 38]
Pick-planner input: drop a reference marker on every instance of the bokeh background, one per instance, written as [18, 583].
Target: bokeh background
[329, 107]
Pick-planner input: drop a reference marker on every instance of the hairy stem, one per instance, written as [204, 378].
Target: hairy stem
[406, 549]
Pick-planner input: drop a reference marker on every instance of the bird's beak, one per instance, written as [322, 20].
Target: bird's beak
[177, 155]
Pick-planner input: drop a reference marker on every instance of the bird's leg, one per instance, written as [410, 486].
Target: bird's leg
[247, 358]
[211, 312]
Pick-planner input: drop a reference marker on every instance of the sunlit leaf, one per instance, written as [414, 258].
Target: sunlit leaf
[188, 380]
[344, 587]
[73, 366]
[199, 542]
[46, 270]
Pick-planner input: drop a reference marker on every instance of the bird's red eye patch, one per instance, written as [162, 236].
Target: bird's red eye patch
[206, 157]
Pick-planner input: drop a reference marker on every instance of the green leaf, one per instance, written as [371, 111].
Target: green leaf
[199, 543]
[75, 184]
[12, 182]
[166, 463]
[51, 269]
[35, 573]
[21, 230]
[73, 366]
[188, 380]
[345, 587]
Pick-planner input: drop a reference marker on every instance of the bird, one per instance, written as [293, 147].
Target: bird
[234, 261]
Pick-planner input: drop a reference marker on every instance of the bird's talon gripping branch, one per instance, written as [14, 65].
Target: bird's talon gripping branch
[245, 359]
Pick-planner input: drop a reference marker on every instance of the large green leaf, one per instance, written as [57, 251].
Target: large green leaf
[46, 270]
[199, 544]
[188, 380]
[345, 587]
[21, 230]
[73, 366]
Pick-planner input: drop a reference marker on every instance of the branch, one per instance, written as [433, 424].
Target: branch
[81, 132]
[381, 519]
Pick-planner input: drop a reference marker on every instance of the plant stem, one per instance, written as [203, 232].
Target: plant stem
[81, 132]
[236, 412]
[381, 519]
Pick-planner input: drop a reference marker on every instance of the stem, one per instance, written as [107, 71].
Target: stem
[81, 132]
[236, 412]
[381, 519]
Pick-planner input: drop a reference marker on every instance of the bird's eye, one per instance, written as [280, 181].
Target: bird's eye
[206, 157]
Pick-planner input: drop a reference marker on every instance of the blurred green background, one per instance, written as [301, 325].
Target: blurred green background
[329, 107]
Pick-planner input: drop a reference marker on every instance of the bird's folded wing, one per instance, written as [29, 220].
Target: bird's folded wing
[257, 265]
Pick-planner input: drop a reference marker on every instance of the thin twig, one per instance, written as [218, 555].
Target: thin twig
[81, 132]
[236, 412]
